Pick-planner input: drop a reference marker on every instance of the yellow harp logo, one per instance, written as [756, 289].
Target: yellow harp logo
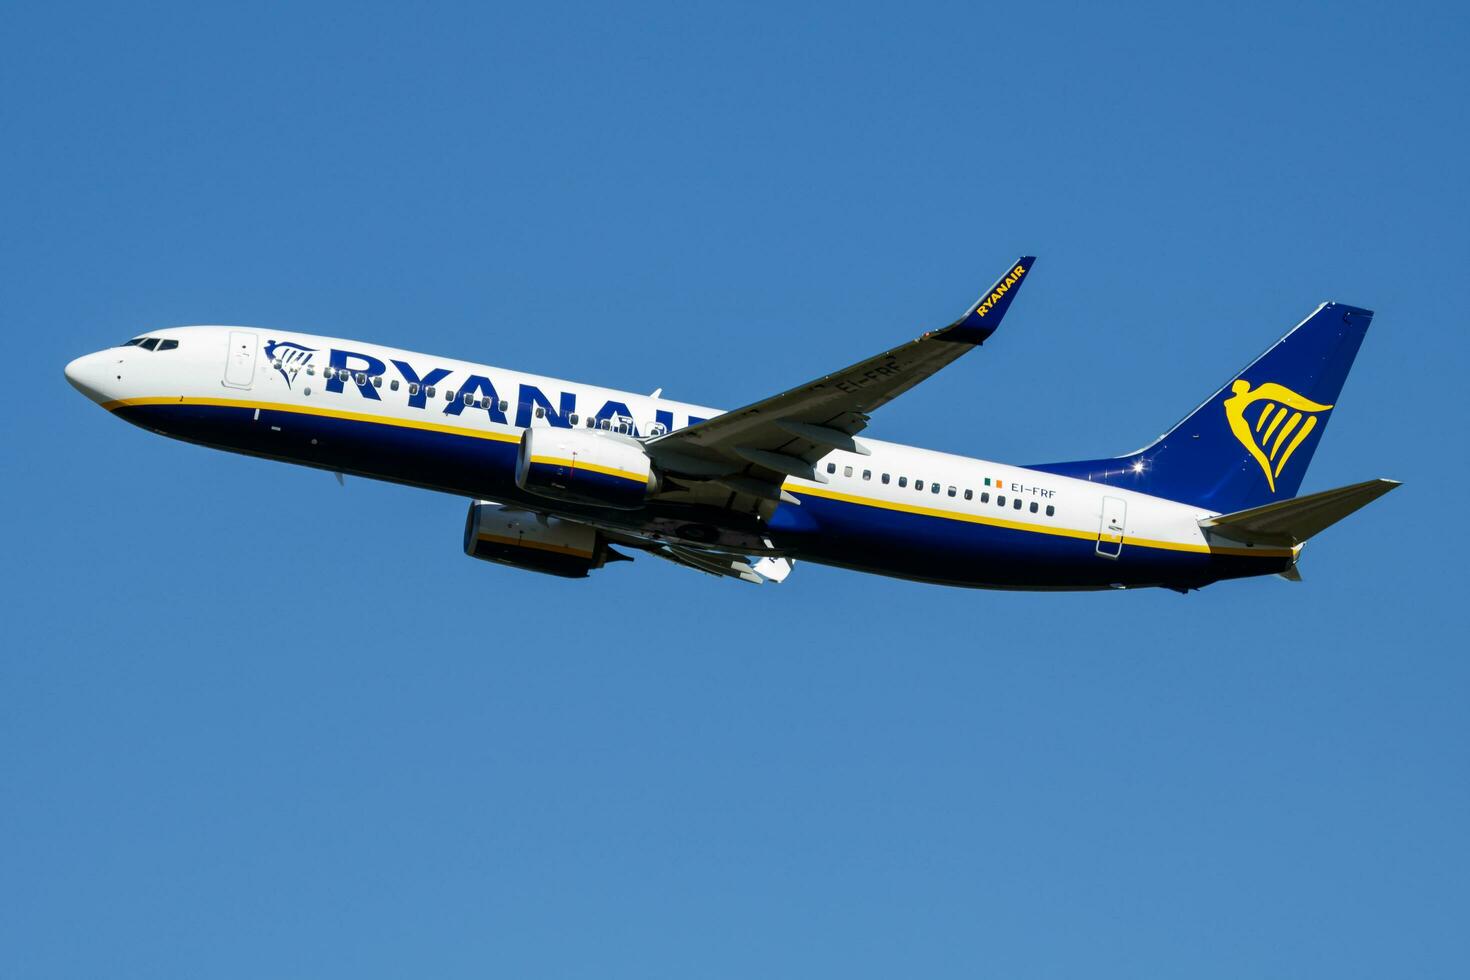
[1286, 416]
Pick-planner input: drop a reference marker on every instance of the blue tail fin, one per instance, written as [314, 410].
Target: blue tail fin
[1250, 442]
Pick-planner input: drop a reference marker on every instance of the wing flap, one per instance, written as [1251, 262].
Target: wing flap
[712, 563]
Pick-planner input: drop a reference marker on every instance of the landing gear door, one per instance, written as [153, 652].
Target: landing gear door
[1114, 520]
[240, 359]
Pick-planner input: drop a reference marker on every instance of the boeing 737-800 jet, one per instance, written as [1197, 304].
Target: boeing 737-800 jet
[561, 474]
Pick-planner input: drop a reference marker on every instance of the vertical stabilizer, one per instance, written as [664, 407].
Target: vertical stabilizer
[1250, 442]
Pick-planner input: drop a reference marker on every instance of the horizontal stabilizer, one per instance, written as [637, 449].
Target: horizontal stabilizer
[1290, 522]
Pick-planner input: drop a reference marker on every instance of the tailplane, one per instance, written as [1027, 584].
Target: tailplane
[1290, 522]
[1250, 442]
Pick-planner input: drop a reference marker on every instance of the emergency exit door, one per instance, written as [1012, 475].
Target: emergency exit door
[1110, 533]
[240, 359]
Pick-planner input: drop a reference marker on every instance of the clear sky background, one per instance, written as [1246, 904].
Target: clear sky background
[256, 724]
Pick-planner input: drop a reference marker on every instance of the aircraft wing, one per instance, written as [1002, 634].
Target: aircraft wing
[753, 449]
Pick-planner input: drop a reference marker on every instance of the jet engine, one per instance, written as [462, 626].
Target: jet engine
[585, 466]
[521, 539]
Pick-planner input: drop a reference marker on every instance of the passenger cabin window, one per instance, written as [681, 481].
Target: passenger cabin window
[1016, 504]
[377, 381]
[469, 399]
[969, 494]
[1033, 507]
[573, 419]
[867, 474]
[429, 391]
[934, 488]
[310, 370]
[831, 467]
[360, 379]
[1000, 500]
[413, 387]
[952, 491]
[540, 412]
[504, 405]
[1050, 510]
[847, 471]
[903, 481]
[449, 394]
[885, 478]
[393, 384]
[919, 485]
[984, 496]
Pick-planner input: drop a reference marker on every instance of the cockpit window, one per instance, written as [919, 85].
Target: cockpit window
[153, 343]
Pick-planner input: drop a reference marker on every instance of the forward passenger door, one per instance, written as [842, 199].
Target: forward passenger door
[240, 359]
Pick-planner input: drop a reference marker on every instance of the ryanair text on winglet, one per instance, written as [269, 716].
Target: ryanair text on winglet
[1000, 290]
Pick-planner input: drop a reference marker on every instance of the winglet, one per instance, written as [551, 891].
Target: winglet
[984, 316]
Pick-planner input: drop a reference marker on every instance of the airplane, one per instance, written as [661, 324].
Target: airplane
[561, 475]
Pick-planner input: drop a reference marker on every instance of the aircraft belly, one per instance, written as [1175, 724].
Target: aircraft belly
[851, 535]
[463, 465]
[962, 552]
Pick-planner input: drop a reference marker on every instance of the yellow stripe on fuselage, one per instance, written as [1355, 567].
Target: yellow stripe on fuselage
[952, 515]
[1061, 532]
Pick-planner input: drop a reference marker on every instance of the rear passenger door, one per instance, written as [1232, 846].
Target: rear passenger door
[1110, 532]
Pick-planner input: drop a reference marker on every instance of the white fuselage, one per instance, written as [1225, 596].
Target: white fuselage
[453, 426]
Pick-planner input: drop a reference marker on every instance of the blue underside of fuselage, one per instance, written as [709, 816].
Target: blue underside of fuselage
[834, 532]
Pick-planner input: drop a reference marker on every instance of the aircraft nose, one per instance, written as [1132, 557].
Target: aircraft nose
[89, 375]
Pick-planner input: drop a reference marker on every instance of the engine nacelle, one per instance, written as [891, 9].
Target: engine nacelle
[541, 544]
[585, 466]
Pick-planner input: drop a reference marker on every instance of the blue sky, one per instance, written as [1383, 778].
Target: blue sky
[253, 723]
